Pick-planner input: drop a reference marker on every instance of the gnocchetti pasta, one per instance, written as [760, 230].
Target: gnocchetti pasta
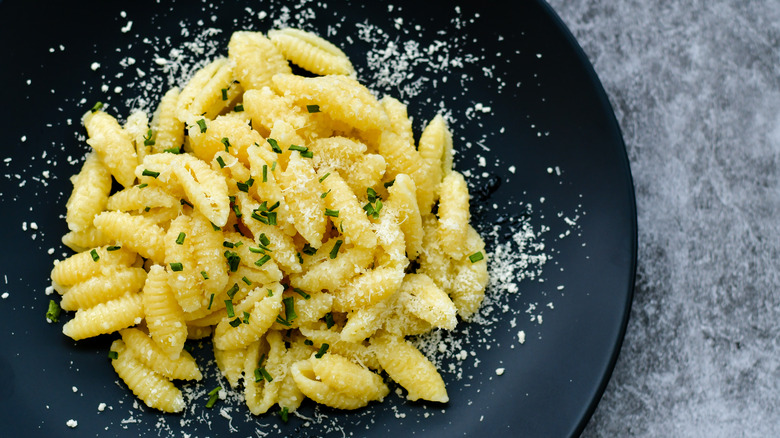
[293, 220]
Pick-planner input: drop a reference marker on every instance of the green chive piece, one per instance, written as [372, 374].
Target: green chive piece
[329, 320]
[371, 193]
[308, 342]
[273, 166]
[239, 108]
[97, 107]
[151, 173]
[235, 323]
[205, 275]
[142, 185]
[289, 308]
[113, 355]
[53, 312]
[224, 94]
[307, 154]
[324, 194]
[270, 293]
[233, 260]
[236, 210]
[232, 291]
[186, 202]
[265, 173]
[211, 299]
[274, 145]
[258, 375]
[213, 397]
[477, 256]
[389, 183]
[180, 239]
[226, 142]
[202, 125]
[176, 267]
[313, 108]
[308, 250]
[264, 239]
[221, 162]
[246, 317]
[148, 141]
[246, 280]
[284, 414]
[229, 307]
[263, 260]
[335, 251]
[216, 228]
[173, 150]
[322, 178]
[322, 350]
[94, 254]
[301, 293]
[266, 375]
[331, 213]
[113, 248]
[295, 147]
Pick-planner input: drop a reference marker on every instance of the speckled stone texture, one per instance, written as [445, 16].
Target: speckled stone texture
[696, 89]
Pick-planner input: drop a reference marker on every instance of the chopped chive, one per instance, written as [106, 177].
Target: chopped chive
[263, 260]
[147, 208]
[377, 208]
[256, 250]
[226, 142]
[185, 202]
[300, 258]
[227, 244]
[113, 355]
[477, 256]
[308, 342]
[176, 267]
[239, 108]
[53, 312]
[322, 178]
[329, 320]
[322, 350]
[237, 244]
[221, 162]
[229, 307]
[324, 194]
[331, 213]
[113, 248]
[308, 250]
[148, 141]
[295, 147]
[273, 166]
[313, 108]
[307, 154]
[202, 125]
[289, 309]
[246, 280]
[205, 275]
[236, 210]
[213, 397]
[224, 94]
[274, 206]
[283, 321]
[216, 228]
[258, 375]
[389, 183]
[142, 185]
[233, 260]
[94, 254]
[235, 323]
[370, 211]
[335, 251]
[371, 193]
[211, 299]
[274, 145]
[265, 173]
[270, 293]
[264, 239]
[246, 318]
[97, 107]
[151, 173]
[263, 206]
[232, 291]
[271, 218]
[259, 218]
[301, 293]
[284, 414]
[173, 150]
[266, 375]
[180, 239]
[244, 187]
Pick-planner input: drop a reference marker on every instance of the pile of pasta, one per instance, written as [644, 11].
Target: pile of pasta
[292, 218]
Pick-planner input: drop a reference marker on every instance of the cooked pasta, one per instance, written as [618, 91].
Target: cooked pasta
[292, 220]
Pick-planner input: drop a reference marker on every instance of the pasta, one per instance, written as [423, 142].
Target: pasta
[293, 220]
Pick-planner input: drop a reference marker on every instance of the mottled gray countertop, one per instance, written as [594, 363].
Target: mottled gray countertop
[696, 89]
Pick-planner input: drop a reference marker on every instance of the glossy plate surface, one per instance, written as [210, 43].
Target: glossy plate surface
[534, 131]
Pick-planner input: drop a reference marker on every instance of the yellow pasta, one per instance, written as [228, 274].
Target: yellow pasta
[151, 355]
[113, 144]
[231, 363]
[469, 279]
[85, 239]
[409, 368]
[402, 199]
[256, 59]
[346, 212]
[311, 52]
[184, 276]
[425, 300]
[453, 214]
[80, 267]
[91, 187]
[164, 316]
[155, 390]
[137, 233]
[261, 395]
[133, 198]
[371, 287]
[105, 318]
[326, 272]
[103, 287]
[299, 183]
[309, 383]
[261, 316]
[360, 170]
[137, 126]
[167, 128]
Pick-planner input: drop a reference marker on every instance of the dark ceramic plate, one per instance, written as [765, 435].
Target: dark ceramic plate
[538, 139]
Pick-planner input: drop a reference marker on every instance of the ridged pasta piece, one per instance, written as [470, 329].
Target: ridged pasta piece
[266, 108]
[167, 128]
[257, 59]
[113, 144]
[399, 321]
[308, 382]
[231, 363]
[408, 367]
[209, 253]
[359, 169]
[348, 377]
[307, 310]
[311, 52]
[469, 279]
[391, 239]
[368, 288]
[342, 98]
[185, 281]
[151, 355]
[229, 133]
[107, 317]
[433, 261]
[302, 195]
[424, 299]
[103, 287]
[364, 322]
[332, 273]
[153, 389]
[351, 219]
[91, 187]
[137, 126]
[133, 198]
[282, 247]
[357, 352]
[402, 198]
[203, 91]
[261, 317]
[260, 396]
[164, 316]
[453, 215]
[85, 239]
[400, 123]
[81, 266]
[435, 147]
[137, 233]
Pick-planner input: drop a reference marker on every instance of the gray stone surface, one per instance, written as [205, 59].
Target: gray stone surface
[696, 89]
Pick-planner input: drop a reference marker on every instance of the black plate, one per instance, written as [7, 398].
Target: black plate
[521, 93]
